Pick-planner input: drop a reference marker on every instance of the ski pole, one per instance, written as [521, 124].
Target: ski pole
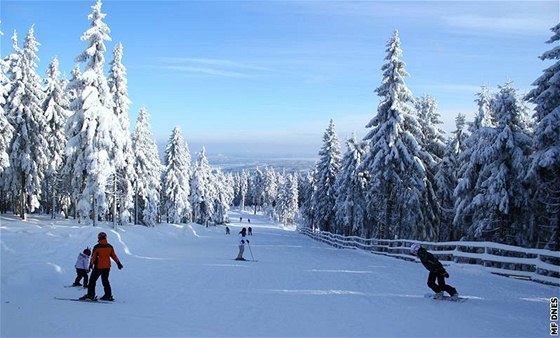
[251, 251]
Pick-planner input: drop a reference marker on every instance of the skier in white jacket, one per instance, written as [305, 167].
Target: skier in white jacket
[242, 240]
[82, 267]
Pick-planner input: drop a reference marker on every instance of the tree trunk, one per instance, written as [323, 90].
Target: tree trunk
[53, 198]
[115, 203]
[22, 196]
[94, 211]
[136, 208]
[383, 231]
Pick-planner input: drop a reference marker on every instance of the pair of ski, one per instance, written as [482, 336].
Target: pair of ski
[96, 300]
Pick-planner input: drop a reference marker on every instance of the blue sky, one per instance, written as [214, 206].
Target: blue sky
[255, 77]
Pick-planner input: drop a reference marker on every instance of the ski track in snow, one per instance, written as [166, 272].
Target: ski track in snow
[185, 283]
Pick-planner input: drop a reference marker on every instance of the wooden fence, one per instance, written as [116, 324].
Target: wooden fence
[533, 264]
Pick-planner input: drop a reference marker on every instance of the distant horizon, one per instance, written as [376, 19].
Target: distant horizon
[249, 160]
[266, 77]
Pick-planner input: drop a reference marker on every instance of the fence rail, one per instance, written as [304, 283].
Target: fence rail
[538, 265]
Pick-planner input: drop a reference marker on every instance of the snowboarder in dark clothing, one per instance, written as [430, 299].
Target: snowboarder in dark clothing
[437, 272]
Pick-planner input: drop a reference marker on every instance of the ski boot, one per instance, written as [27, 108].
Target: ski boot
[455, 296]
[88, 297]
[438, 295]
[107, 298]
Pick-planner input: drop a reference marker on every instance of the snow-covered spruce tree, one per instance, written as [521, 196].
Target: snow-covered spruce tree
[393, 167]
[176, 177]
[350, 203]
[243, 186]
[270, 191]
[485, 115]
[55, 108]
[306, 186]
[223, 187]
[327, 168]
[122, 154]
[256, 189]
[203, 192]
[70, 188]
[91, 130]
[280, 203]
[28, 149]
[286, 207]
[501, 197]
[432, 143]
[470, 162]
[148, 172]
[292, 188]
[13, 72]
[236, 191]
[74, 88]
[429, 119]
[446, 180]
[544, 168]
[6, 129]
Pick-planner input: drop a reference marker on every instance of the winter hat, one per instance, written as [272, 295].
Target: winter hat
[102, 235]
[87, 252]
[415, 247]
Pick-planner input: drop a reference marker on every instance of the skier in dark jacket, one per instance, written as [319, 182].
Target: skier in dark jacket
[101, 257]
[437, 272]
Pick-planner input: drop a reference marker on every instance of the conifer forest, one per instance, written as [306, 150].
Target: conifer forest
[67, 148]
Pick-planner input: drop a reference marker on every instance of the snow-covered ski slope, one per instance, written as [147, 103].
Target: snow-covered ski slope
[182, 281]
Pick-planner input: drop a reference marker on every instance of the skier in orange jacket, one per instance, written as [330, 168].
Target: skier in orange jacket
[101, 264]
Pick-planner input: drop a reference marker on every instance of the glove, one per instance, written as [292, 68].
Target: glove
[247, 241]
[119, 265]
[445, 274]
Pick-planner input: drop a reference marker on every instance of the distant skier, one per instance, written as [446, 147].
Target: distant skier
[242, 240]
[437, 272]
[101, 263]
[82, 267]
[250, 232]
[227, 230]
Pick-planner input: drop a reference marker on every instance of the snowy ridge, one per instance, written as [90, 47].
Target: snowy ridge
[493, 256]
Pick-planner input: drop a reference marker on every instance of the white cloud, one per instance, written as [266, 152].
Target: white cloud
[208, 71]
[216, 67]
[517, 25]
[216, 62]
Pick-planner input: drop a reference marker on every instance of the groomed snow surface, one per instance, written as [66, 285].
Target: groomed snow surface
[182, 281]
